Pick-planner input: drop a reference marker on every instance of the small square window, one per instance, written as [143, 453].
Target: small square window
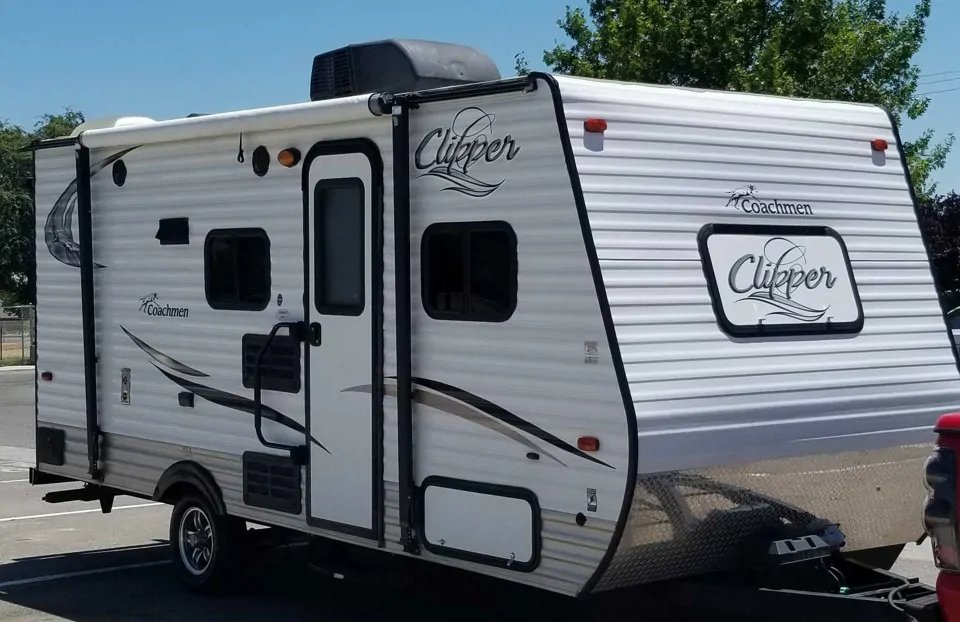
[469, 271]
[237, 269]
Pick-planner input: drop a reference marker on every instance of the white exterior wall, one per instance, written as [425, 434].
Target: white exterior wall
[59, 319]
[533, 364]
[200, 180]
[669, 161]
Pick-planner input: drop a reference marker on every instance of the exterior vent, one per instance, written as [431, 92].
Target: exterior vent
[280, 367]
[397, 66]
[332, 74]
[271, 482]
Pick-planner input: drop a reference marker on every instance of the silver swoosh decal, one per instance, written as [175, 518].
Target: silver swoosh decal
[58, 228]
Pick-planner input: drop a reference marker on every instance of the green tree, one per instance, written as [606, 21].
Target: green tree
[848, 50]
[17, 220]
[940, 226]
[520, 65]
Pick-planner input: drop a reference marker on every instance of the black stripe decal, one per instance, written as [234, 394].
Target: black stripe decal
[162, 358]
[458, 408]
[505, 416]
[236, 402]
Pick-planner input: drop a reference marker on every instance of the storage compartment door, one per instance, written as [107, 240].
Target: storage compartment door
[484, 523]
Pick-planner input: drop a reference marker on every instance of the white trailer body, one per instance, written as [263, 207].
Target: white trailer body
[575, 359]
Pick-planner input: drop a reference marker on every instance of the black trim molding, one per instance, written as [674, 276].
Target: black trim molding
[87, 307]
[52, 143]
[496, 490]
[404, 339]
[368, 148]
[944, 309]
[591, 249]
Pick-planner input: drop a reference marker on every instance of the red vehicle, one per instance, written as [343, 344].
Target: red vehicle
[940, 514]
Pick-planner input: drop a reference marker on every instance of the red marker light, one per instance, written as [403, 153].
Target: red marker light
[879, 144]
[47, 376]
[588, 443]
[595, 125]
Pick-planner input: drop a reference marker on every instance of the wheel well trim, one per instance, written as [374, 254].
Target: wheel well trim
[192, 474]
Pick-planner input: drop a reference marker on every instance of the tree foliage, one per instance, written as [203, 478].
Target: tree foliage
[520, 65]
[17, 221]
[848, 50]
[940, 224]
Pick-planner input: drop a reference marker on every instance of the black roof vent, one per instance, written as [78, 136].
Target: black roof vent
[397, 66]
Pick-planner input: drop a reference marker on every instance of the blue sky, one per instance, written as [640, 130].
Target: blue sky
[168, 58]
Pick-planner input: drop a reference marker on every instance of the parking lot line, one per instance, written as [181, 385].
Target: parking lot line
[81, 573]
[13, 481]
[122, 507]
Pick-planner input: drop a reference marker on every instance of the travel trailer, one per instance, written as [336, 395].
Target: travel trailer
[572, 333]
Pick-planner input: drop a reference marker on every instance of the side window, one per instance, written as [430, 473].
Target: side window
[236, 269]
[469, 271]
[339, 238]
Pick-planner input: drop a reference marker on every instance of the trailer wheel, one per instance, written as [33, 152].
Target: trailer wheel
[205, 545]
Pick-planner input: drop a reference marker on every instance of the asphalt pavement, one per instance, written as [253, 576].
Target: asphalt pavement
[71, 562]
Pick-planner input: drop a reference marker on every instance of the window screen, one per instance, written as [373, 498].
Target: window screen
[237, 269]
[469, 271]
[338, 239]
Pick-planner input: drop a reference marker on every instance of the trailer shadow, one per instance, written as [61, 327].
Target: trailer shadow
[279, 586]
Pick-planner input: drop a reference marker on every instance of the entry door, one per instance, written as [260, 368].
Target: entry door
[341, 200]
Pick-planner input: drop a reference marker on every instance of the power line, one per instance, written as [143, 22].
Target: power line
[939, 73]
[957, 88]
[940, 81]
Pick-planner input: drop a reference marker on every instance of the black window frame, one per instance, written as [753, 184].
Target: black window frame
[742, 331]
[353, 310]
[465, 229]
[238, 232]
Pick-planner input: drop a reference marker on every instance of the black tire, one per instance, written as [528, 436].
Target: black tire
[206, 547]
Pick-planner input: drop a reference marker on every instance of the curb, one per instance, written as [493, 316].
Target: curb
[15, 368]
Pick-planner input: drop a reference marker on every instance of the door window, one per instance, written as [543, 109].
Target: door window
[338, 235]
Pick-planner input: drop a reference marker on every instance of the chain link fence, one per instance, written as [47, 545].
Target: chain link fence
[17, 335]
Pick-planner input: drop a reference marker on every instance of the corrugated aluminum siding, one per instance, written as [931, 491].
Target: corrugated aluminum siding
[669, 161]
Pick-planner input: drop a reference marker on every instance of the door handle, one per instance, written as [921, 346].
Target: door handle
[313, 334]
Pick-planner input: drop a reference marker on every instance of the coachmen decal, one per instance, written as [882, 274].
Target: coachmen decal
[150, 306]
[746, 200]
[762, 278]
[457, 154]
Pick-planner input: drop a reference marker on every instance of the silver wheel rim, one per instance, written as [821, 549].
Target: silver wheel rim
[196, 540]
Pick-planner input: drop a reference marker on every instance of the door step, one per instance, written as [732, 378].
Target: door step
[344, 562]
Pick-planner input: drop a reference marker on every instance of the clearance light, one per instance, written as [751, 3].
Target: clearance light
[588, 443]
[47, 376]
[596, 126]
[879, 144]
[289, 157]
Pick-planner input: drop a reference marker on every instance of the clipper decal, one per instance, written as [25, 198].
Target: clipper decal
[451, 154]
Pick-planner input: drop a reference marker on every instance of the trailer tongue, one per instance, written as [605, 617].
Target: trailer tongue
[808, 578]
